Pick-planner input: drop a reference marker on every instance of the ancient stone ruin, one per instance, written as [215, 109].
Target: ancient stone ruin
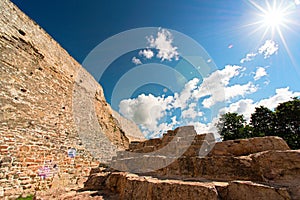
[256, 168]
[53, 147]
[40, 121]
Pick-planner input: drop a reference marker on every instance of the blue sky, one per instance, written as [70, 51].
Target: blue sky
[251, 48]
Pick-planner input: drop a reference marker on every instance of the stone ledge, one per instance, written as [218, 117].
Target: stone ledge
[131, 186]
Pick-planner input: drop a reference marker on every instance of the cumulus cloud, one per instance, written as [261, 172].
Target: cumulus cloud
[243, 106]
[191, 112]
[282, 95]
[181, 100]
[163, 43]
[147, 53]
[247, 106]
[151, 112]
[216, 87]
[268, 49]
[248, 57]
[145, 110]
[156, 115]
[213, 86]
[260, 72]
[136, 61]
[202, 128]
[239, 90]
[297, 2]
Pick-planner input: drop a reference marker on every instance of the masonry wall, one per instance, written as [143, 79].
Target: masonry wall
[38, 80]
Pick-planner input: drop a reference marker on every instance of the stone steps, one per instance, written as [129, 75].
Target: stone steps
[266, 160]
[132, 186]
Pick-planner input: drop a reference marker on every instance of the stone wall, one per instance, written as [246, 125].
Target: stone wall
[131, 129]
[48, 105]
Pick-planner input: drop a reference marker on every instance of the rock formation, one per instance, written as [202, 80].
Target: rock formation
[133, 133]
[264, 172]
[48, 105]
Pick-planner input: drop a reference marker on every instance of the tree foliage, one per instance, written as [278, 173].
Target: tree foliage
[284, 122]
[231, 126]
[262, 121]
[288, 122]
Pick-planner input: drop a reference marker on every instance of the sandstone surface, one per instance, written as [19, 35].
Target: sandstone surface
[265, 171]
[131, 186]
[248, 146]
[48, 105]
[271, 174]
[133, 133]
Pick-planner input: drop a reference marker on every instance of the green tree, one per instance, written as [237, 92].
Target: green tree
[287, 123]
[283, 122]
[262, 121]
[231, 126]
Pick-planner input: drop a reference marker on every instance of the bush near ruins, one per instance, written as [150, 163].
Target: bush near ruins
[30, 197]
[284, 122]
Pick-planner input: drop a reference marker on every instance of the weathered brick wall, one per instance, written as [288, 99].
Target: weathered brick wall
[37, 125]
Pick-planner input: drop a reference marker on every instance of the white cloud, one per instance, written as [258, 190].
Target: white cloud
[150, 112]
[239, 90]
[216, 87]
[136, 61]
[260, 72]
[247, 106]
[282, 95]
[192, 112]
[249, 57]
[243, 106]
[268, 49]
[155, 115]
[181, 100]
[213, 85]
[145, 110]
[146, 53]
[162, 128]
[202, 128]
[297, 2]
[163, 43]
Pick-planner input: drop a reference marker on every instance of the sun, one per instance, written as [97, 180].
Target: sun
[273, 15]
[274, 18]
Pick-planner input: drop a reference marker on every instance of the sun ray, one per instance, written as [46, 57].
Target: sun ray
[273, 15]
[287, 48]
[271, 18]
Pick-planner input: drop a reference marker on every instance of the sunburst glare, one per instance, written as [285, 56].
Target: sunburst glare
[273, 17]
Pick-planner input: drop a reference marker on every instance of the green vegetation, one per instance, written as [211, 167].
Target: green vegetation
[30, 197]
[284, 122]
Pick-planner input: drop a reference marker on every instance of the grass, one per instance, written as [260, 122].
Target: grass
[30, 197]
